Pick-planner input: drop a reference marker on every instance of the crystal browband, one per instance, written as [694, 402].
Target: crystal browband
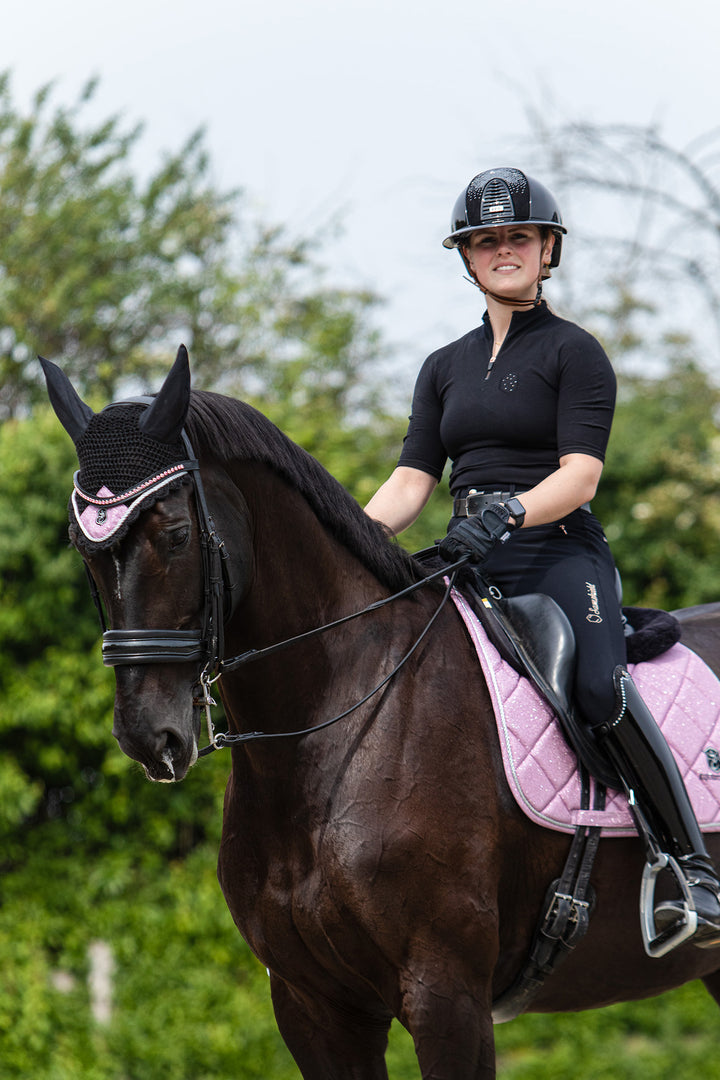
[138, 489]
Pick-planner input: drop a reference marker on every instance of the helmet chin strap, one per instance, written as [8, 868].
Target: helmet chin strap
[507, 300]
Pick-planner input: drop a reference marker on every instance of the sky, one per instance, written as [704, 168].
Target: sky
[371, 113]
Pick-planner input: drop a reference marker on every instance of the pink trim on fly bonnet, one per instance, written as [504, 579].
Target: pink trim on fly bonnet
[683, 695]
[106, 512]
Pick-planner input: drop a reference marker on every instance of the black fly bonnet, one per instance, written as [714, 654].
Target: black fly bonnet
[122, 471]
[132, 454]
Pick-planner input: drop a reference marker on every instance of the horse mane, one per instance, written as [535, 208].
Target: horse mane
[231, 430]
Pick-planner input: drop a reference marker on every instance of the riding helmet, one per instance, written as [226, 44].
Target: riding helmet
[500, 197]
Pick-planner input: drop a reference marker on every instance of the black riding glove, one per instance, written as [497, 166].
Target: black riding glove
[477, 535]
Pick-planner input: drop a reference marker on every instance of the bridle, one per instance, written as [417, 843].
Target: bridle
[123, 647]
[207, 645]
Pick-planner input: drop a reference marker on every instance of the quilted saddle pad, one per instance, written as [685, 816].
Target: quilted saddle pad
[680, 690]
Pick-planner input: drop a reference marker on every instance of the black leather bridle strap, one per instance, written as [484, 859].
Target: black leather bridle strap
[120, 647]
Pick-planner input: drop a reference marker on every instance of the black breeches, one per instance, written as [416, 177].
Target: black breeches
[570, 560]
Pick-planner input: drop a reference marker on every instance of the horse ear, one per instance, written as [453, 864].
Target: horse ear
[71, 410]
[165, 418]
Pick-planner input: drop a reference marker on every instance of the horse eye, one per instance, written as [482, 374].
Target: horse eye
[179, 537]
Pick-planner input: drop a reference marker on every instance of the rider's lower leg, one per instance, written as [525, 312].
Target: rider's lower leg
[644, 762]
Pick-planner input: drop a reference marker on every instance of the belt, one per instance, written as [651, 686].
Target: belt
[475, 504]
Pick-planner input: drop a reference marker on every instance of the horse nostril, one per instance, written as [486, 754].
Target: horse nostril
[168, 750]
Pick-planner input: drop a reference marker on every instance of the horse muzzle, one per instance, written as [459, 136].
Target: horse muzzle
[156, 734]
[156, 720]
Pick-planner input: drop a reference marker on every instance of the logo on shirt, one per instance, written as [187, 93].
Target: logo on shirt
[509, 382]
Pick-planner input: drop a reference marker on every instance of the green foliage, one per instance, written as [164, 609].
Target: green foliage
[671, 1036]
[95, 270]
[659, 497]
[107, 276]
[38, 461]
[43, 600]
[322, 392]
[188, 1000]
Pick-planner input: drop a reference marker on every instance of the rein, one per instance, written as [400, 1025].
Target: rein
[222, 739]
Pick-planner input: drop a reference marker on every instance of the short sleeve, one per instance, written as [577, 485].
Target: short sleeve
[422, 447]
[586, 397]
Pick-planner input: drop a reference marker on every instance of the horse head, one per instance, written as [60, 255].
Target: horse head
[135, 517]
[149, 519]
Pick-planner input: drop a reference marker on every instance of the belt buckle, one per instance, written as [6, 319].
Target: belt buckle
[486, 498]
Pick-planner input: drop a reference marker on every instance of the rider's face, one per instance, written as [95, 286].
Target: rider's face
[507, 259]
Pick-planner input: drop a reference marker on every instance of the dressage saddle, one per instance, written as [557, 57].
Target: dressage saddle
[533, 634]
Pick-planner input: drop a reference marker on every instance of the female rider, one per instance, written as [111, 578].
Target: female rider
[522, 406]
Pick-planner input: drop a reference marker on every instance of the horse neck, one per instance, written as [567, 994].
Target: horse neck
[302, 578]
[302, 574]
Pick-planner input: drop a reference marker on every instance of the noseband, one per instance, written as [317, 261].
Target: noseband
[122, 647]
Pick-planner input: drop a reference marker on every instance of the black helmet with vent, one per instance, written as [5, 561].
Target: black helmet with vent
[502, 197]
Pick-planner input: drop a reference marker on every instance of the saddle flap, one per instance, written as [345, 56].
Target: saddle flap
[546, 633]
[533, 634]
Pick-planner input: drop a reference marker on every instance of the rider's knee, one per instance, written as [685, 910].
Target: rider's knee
[595, 696]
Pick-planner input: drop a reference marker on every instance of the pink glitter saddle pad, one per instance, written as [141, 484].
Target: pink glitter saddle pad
[683, 695]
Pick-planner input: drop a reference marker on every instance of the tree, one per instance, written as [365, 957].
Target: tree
[94, 271]
[108, 275]
[659, 499]
[645, 218]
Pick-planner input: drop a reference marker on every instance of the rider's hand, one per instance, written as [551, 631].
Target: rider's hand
[476, 536]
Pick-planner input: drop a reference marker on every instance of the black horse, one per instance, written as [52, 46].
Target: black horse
[379, 867]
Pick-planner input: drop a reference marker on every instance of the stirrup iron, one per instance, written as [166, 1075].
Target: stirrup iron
[659, 943]
[662, 942]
